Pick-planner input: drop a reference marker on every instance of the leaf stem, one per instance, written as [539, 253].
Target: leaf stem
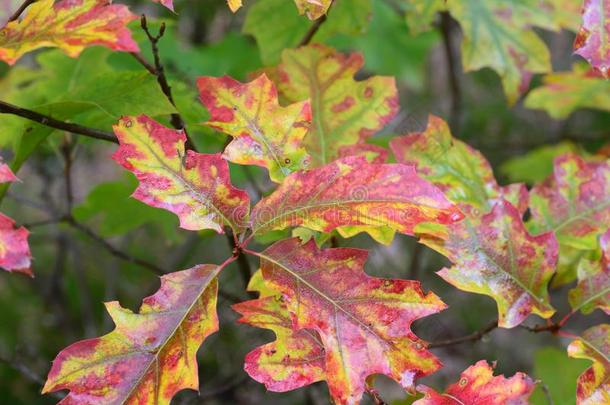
[313, 29]
[478, 335]
[21, 9]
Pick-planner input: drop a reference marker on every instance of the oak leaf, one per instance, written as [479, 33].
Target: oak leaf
[353, 192]
[363, 322]
[494, 255]
[478, 386]
[70, 25]
[344, 111]
[150, 355]
[593, 39]
[594, 384]
[194, 186]
[264, 133]
[593, 288]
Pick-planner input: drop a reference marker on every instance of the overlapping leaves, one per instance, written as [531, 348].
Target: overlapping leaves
[150, 355]
[70, 25]
[344, 111]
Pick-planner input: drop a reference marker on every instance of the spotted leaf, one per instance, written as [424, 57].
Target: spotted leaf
[593, 39]
[194, 186]
[363, 322]
[70, 25]
[562, 93]
[15, 253]
[344, 111]
[264, 133]
[150, 355]
[574, 201]
[594, 384]
[461, 172]
[478, 386]
[353, 192]
[593, 288]
[295, 358]
[495, 255]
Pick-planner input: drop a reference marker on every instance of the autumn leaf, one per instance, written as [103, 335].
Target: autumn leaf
[363, 322]
[574, 202]
[478, 386]
[354, 192]
[313, 9]
[295, 359]
[498, 35]
[593, 39]
[594, 384]
[264, 133]
[495, 255]
[194, 186]
[70, 25]
[344, 111]
[150, 355]
[167, 3]
[461, 172]
[562, 93]
[15, 253]
[593, 288]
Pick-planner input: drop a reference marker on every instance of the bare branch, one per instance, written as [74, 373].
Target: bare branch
[448, 29]
[159, 72]
[478, 335]
[6, 108]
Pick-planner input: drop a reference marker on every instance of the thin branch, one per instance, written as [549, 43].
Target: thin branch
[110, 248]
[478, 335]
[28, 373]
[551, 327]
[242, 261]
[314, 28]
[66, 151]
[415, 262]
[21, 9]
[447, 27]
[138, 56]
[6, 108]
[159, 72]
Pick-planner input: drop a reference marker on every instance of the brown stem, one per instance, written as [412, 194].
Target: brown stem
[6, 108]
[375, 396]
[138, 56]
[478, 335]
[242, 261]
[159, 71]
[447, 27]
[21, 9]
[551, 327]
[314, 28]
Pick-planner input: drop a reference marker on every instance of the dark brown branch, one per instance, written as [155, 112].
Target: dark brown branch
[138, 56]
[176, 118]
[66, 151]
[242, 261]
[110, 248]
[448, 28]
[21, 9]
[552, 327]
[415, 262]
[314, 28]
[478, 335]
[6, 108]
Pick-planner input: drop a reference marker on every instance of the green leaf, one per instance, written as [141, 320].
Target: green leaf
[111, 205]
[276, 25]
[558, 373]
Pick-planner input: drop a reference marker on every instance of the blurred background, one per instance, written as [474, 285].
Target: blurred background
[119, 244]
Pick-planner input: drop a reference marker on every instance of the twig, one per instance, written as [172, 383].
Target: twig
[447, 27]
[414, 263]
[159, 72]
[6, 108]
[314, 28]
[28, 373]
[110, 248]
[242, 261]
[138, 56]
[551, 327]
[478, 335]
[66, 151]
[21, 9]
